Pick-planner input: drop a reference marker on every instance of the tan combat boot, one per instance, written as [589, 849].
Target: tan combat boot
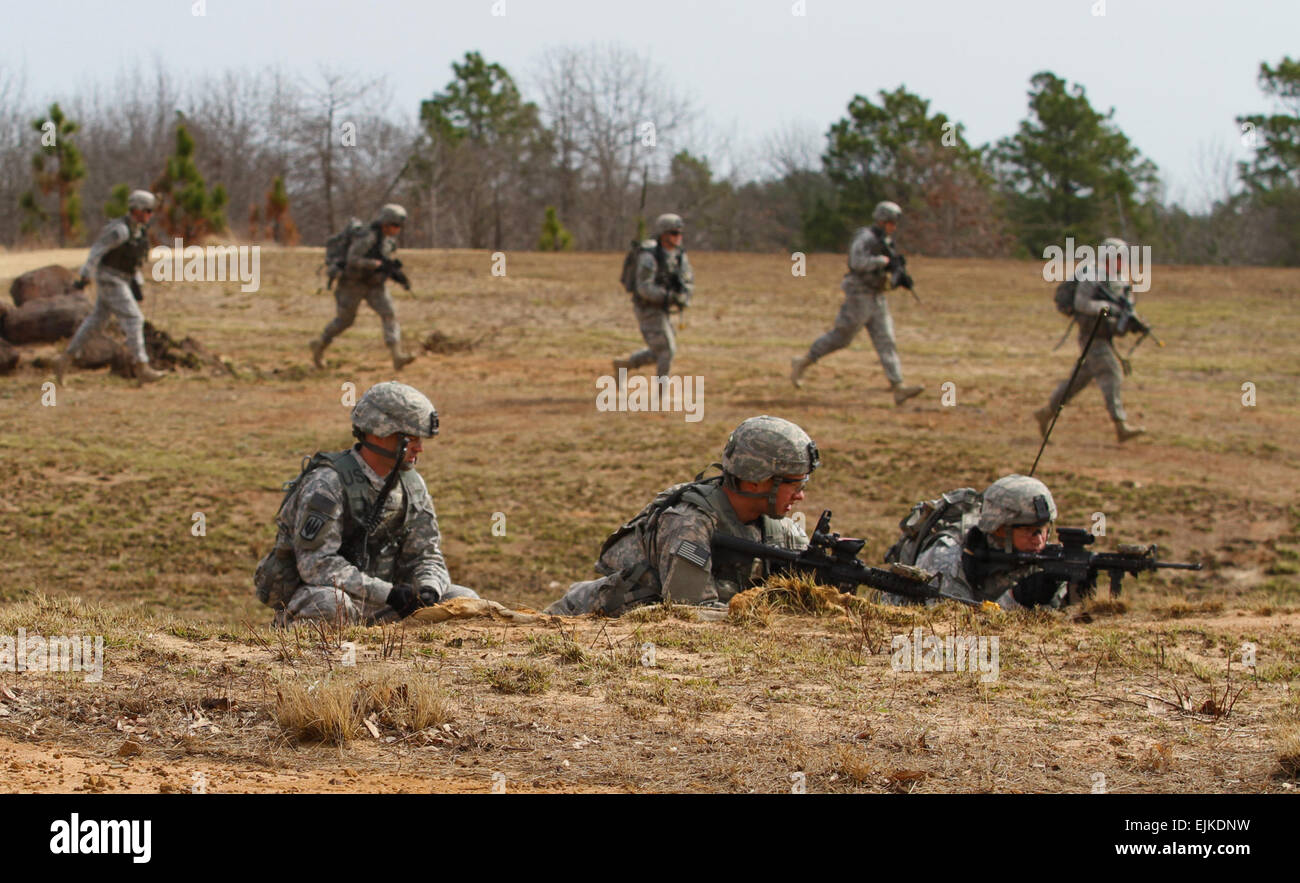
[145, 373]
[798, 365]
[400, 359]
[1124, 432]
[1044, 417]
[903, 393]
[61, 366]
[318, 352]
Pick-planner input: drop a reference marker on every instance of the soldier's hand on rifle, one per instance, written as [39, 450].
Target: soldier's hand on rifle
[428, 596]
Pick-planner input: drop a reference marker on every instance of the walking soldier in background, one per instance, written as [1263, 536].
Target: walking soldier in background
[873, 265]
[362, 271]
[114, 263]
[658, 275]
[357, 538]
[1108, 290]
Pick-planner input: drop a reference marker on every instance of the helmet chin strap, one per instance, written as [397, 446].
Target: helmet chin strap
[731, 483]
[400, 452]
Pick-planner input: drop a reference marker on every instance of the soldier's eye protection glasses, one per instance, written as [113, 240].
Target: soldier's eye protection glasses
[801, 482]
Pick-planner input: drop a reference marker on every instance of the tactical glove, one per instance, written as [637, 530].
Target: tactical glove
[404, 600]
[428, 596]
[136, 291]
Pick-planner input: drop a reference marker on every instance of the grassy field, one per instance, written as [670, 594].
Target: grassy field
[105, 484]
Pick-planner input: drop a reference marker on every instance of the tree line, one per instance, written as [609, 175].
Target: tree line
[606, 141]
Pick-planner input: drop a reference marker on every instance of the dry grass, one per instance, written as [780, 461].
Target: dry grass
[337, 709]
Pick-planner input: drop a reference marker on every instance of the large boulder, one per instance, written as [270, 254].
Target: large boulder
[8, 357]
[46, 319]
[46, 282]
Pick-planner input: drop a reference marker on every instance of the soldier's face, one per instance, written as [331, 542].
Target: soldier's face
[672, 239]
[1032, 538]
[141, 215]
[789, 492]
[889, 227]
[390, 443]
[391, 230]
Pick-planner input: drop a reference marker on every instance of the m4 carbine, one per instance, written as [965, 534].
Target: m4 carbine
[1071, 561]
[392, 268]
[832, 560]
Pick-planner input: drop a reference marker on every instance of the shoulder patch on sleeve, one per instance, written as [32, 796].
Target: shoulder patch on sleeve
[311, 525]
[693, 552]
[324, 504]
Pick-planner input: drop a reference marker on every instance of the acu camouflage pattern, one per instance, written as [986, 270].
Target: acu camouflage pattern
[318, 533]
[1100, 363]
[764, 446]
[667, 552]
[115, 260]
[652, 301]
[362, 280]
[392, 407]
[1016, 500]
[865, 304]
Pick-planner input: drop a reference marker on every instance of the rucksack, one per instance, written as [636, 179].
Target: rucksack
[953, 513]
[1064, 298]
[336, 248]
[628, 276]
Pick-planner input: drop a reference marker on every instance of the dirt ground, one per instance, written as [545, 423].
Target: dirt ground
[139, 515]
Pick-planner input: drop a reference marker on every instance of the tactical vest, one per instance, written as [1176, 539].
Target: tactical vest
[872, 279]
[277, 577]
[128, 256]
[637, 584]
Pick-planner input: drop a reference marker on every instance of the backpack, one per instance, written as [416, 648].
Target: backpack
[1064, 298]
[336, 248]
[953, 513]
[628, 277]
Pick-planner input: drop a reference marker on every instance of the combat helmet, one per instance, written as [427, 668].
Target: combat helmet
[392, 214]
[141, 199]
[1016, 501]
[391, 407]
[886, 211]
[763, 447]
[665, 223]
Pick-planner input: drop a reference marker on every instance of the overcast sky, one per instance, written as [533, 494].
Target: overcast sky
[1177, 72]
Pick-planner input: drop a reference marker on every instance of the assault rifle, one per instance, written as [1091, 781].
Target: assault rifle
[1069, 560]
[898, 275]
[832, 560]
[392, 268]
[670, 281]
[1126, 317]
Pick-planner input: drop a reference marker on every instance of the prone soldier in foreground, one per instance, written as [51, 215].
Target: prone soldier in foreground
[668, 550]
[357, 538]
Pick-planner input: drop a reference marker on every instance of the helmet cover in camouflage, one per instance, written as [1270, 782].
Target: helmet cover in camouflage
[886, 211]
[1016, 501]
[393, 407]
[762, 447]
[1114, 242]
[392, 214]
[668, 224]
[141, 199]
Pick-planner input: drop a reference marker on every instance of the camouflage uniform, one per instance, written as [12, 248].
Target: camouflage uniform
[653, 300]
[361, 280]
[1101, 363]
[667, 549]
[954, 551]
[318, 533]
[114, 263]
[865, 304]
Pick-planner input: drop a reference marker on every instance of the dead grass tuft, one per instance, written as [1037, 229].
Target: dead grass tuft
[854, 764]
[1288, 752]
[518, 676]
[338, 708]
[791, 594]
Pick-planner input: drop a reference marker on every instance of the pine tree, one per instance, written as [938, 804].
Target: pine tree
[57, 168]
[186, 207]
[555, 237]
[279, 222]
